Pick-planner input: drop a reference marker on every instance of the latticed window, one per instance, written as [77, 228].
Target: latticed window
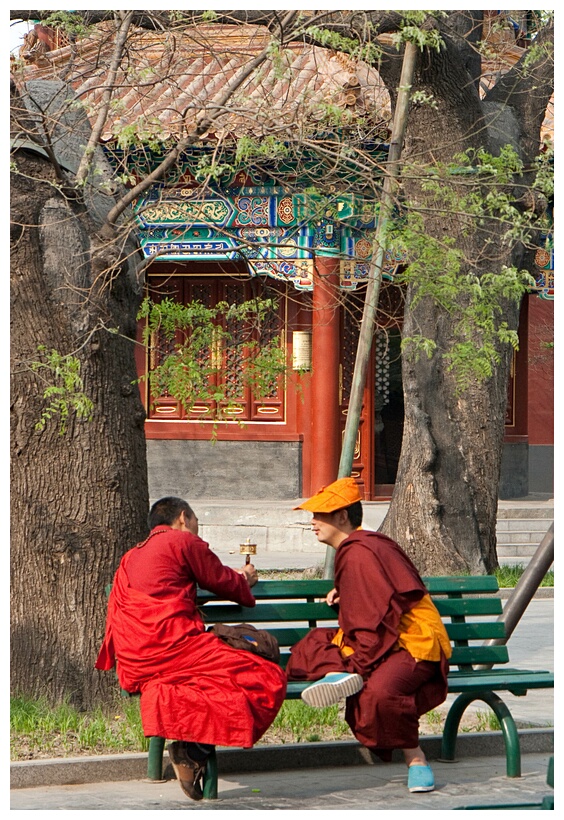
[227, 354]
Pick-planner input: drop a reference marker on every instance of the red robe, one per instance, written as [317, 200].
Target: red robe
[376, 583]
[193, 686]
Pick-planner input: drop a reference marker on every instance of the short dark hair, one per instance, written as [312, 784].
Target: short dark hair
[355, 513]
[166, 511]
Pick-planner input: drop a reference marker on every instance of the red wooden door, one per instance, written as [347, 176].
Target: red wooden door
[363, 463]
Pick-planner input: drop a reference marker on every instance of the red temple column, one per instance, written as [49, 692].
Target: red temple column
[325, 436]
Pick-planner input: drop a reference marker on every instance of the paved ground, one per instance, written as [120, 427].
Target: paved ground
[383, 787]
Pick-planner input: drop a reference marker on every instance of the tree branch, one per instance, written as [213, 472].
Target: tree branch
[108, 88]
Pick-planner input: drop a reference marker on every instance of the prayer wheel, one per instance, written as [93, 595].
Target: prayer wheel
[248, 549]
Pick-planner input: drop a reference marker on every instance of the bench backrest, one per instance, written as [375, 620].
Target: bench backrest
[469, 606]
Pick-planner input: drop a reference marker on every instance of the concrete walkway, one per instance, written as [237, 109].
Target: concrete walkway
[471, 781]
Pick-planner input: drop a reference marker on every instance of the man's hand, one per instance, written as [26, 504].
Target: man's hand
[332, 597]
[250, 572]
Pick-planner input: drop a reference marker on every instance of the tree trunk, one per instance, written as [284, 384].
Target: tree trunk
[78, 500]
[444, 505]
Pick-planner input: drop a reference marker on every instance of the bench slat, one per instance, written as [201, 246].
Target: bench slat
[318, 587]
[479, 655]
[465, 584]
[476, 630]
[288, 636]
[297, 611]
[451, 607]
[464, 656]
[275, 612]
[460, 682]
[517, 681]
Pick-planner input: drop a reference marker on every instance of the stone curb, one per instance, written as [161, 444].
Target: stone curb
[111, 768]
[541, 592]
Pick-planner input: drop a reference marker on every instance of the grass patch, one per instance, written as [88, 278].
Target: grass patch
[508, 576]
[298, 723]
[40, 730]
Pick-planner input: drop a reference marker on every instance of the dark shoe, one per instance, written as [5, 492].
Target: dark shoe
[189, 773]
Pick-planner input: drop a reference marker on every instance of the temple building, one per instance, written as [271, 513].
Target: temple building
[218, 229]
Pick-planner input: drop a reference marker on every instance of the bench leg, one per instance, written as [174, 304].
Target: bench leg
[508, 728]
[210, 777]
[155, 760]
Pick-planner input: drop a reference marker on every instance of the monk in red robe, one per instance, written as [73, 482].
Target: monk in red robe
[194, 688]
[389, 655]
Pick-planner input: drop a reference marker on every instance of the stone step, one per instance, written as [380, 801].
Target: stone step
[516, 550]
[520, 536]
[506, 510]
[520, 524]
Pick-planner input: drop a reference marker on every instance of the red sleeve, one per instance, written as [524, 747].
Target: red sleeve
[370, 606]
[210, 574]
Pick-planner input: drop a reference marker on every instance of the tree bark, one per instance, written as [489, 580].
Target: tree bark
[78, 500]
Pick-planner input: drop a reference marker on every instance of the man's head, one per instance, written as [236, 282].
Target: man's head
[175, 512]
[337, 511]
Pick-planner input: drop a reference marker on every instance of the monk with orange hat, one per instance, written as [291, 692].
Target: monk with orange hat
[389, 655]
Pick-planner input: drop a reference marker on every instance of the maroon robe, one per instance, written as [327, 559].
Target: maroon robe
[193, 686]
[376, 583]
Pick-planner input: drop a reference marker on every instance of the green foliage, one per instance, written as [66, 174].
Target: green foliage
[475, 304]
[480, 187]
[411, 30]
[69, 21]
[544, 166]
[146, 131]
[478, 190]
[249, 148]
[198, 338]
[536, 53]
[334, 115]
[64, 389]
[208, 168]
[486, 721]
[368, 52]
[281, 65]
[435, 721]
[423, 98]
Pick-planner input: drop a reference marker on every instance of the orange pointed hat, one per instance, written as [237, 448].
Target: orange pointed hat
[335, 496]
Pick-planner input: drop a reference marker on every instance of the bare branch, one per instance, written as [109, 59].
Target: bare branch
[93, 142]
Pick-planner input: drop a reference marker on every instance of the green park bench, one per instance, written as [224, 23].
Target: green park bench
[469, 606]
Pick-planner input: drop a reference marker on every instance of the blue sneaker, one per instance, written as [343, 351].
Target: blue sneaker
[332, 688]
[420, 779]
